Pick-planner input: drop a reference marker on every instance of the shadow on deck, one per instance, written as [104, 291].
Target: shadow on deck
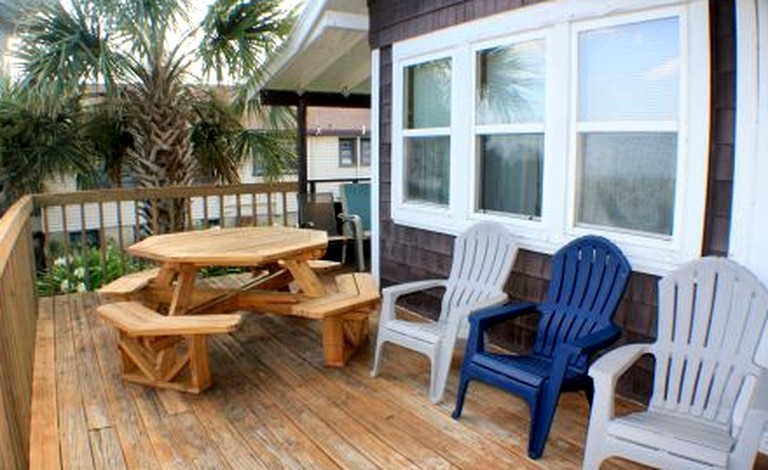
[272, 405]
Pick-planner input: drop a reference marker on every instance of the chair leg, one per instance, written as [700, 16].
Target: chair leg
[542, 414]
[441, 367]
[589, 391]
[360, 253]
[460, 393]
[377, 356]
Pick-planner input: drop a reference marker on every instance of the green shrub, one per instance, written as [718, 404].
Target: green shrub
[84, 270]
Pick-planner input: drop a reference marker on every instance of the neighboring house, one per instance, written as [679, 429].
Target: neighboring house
[635, 120]
[338, 144]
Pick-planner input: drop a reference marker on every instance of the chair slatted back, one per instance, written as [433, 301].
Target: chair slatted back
[589, 276]
[482, 261]
[356, 199]
[711, 336]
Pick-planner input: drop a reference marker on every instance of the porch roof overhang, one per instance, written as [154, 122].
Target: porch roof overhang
[326, 59]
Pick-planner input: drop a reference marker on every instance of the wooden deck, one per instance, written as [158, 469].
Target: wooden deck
[272, 405]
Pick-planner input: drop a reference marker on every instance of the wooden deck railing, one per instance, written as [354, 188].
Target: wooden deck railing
[86, 222]
[18, 316]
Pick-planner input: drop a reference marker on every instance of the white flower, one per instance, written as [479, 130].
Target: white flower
[79, 272]
[60, 261]
[81, 287]
[64, 285]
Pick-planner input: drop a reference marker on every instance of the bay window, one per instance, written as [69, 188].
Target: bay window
[559, 120]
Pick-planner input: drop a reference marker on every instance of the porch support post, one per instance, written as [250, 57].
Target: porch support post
[301, 153]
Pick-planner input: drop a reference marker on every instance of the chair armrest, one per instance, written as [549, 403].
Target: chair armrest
[411, 287]
[481, 320]
[605, 372]
[484, 318]
[592, 342]
[492, 301]
[389, 295]
[614, 363]
[355, 221]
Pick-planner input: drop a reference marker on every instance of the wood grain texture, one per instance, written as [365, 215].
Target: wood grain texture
[18, 316]
[274, 405]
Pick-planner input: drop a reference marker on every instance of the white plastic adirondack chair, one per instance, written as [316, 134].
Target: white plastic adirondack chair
[710, 390]
[482, 261]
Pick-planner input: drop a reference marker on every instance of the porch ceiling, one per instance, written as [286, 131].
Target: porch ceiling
[327, 51]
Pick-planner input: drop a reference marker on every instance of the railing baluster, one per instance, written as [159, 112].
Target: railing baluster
[269, 208]
[205, 212]
[221, 210]
[102, 241]
[84, 249]
[67, 252]
[239, 214]
[190, 220]
[285, 208]
[155, 224]
[137, 222]
[254, 219]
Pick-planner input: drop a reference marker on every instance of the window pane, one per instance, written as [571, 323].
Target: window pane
[428, 169]
[628, 180]
[347, 152]
[428, 94]
[511, 84]
[630, 72]
[365, 152]
[511, 172]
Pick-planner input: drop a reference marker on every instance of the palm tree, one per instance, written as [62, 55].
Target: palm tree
[163, 125]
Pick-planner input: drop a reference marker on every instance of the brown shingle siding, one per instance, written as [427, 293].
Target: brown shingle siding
[721, 156]
[409, 254]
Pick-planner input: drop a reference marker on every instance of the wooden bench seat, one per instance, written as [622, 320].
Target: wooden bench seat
[344, 315]
[126, 287]
[152, 345]
[320, 266]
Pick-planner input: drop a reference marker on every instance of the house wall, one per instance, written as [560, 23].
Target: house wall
[408, 254]
[324, 159]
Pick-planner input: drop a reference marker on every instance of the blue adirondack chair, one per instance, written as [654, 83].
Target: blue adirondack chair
[589, 276]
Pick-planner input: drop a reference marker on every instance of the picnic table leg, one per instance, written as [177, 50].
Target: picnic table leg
[183, 291]
[333, 342]
[343, 335]
[310, 284]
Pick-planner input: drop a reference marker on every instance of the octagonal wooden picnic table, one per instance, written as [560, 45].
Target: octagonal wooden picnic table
[279, 256]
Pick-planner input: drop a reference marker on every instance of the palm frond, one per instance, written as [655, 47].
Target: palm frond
[241, 35]
[63, 50]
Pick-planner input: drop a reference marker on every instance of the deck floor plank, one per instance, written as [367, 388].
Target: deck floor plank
[137, 449]
[107, 451]
[44, 424]
[73, 427]
[89, 377]
[273, 405]
[319, 416]
[426, 425]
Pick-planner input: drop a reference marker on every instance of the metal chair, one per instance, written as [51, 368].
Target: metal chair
[589, 276]
[356, 215]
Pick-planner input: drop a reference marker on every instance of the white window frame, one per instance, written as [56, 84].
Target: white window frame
[415, 211]
[559, 23]
[533, 226]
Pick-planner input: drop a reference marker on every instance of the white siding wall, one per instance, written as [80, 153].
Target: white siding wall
[323, 156]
